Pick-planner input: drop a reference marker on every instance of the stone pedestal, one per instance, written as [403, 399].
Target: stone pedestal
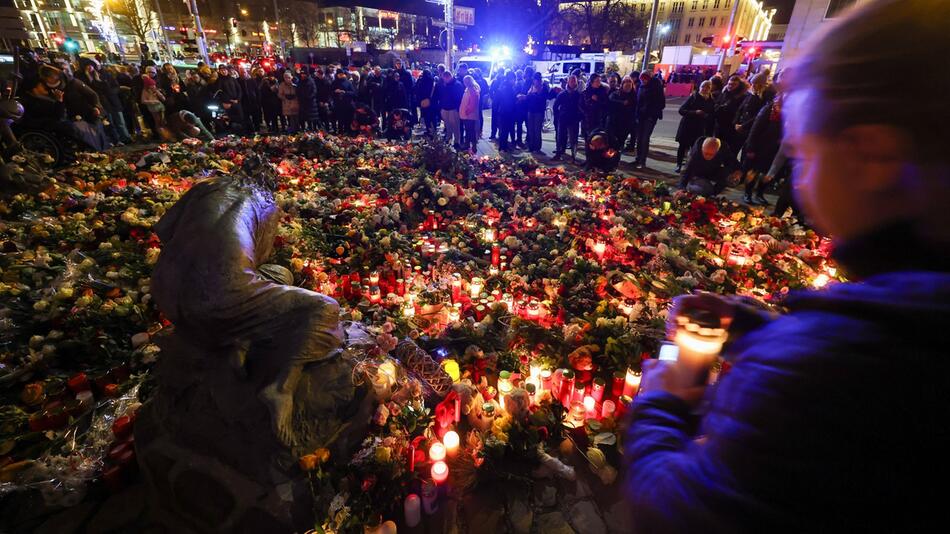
[207, 450]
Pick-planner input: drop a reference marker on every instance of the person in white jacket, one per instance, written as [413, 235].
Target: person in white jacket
[469, 113]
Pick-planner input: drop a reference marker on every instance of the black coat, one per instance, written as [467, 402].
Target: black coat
[270, 102]
[567, 107]
[764, 139]
[594, 103]
[506, 100]
[229, 87]
[343, 102]
[394, 95]
[650, 100]
[727, 106]
[324, 94]
[307, 97]
[537, 102]
[745, 116]
[450, 95]
[715, 170]
[692, 125]
[623, 110]
[405, 78]
[252, 93]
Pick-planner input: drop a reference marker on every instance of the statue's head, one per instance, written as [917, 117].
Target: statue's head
[257, 171]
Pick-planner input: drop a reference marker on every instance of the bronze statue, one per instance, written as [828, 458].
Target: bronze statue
[209, 282]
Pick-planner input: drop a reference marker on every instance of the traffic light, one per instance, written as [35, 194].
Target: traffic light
[726, 38]
[57, 38]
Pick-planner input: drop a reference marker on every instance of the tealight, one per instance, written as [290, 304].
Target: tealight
[451, 442]
[437, 452]
[590, 405]
[440, 472]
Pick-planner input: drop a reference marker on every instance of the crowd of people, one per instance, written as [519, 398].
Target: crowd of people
[730, 130]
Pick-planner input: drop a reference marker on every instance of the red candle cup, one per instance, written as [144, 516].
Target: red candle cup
[122, 427]
[78, 382]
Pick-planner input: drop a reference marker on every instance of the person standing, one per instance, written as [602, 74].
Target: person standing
[650, 104]
[749, 108]
[324, 98]
[727, 107]
[229, 96]
[469, 110]
[496, 82]
[450, 98]
[251, 89]
[271, 104]
[695, 122]
[343, 97]
[396, 96]
[594, 104]
[290, 106]
[405, 78]
[622, 117]
[536, 102]
[424, 88]
[507, 101]
[484, 102]
[567, 117]
[761, 147]
[307, 96]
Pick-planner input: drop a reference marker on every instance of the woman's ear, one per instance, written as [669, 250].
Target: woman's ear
[877, 155]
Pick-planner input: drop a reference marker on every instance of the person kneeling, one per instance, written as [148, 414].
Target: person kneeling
[710, 168]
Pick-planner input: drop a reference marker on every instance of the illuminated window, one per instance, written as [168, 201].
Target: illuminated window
[836, 6]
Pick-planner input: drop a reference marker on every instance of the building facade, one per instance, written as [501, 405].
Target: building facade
[688, 22]
[807, 17]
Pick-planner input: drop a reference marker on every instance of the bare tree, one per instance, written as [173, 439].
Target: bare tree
[601, 24]
[135, 17]
[305, 17]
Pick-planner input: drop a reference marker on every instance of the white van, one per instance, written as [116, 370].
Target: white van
[562, 69]
[486, 64]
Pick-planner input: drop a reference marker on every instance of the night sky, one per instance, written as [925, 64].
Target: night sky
[784, 10]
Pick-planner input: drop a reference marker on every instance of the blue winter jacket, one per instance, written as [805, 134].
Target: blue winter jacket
[834, 417]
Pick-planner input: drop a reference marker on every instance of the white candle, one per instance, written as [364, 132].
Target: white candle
[451, 442]
[590, 405]
[437, 452]
[632, 383]
[608, 409]
[440, 472]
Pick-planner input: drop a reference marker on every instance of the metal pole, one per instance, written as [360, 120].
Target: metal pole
[729, 32]
[449, 33]
[161, 28]
[651, 30]
[199, 32]
[280, 37]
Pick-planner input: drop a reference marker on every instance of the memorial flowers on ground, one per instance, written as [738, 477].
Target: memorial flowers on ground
[537, 291]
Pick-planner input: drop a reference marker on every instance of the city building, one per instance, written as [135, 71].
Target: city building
[807, 17]
[689, 22]
[387, 24]
[12, 31]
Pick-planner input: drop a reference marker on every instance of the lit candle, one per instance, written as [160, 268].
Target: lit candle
[534, 309]
[567, 387]
[590, 405]
[437, 452]
[504, 387]
[400, 286]
[456, 287]
[608, 409]
[631, 383]
[455, 313]
[475, 287]
[509, 301]
[616, 386]
[409, 309]
[546, 379]
[534, 371]
[451, 442]
[374, 278]
[413, 510]
[440, 472]
[495, 255]
[600, 247]
[577, 415]
[493, 271]
[489, 235]
[597, 389]
[375, 295]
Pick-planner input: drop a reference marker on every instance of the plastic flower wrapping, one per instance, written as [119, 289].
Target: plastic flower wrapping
[535, 291]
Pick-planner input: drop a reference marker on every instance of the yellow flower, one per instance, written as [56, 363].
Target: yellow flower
[383, 455]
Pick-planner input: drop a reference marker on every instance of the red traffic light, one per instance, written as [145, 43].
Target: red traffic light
[57, 38]
[726, 38]
[752, 51]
